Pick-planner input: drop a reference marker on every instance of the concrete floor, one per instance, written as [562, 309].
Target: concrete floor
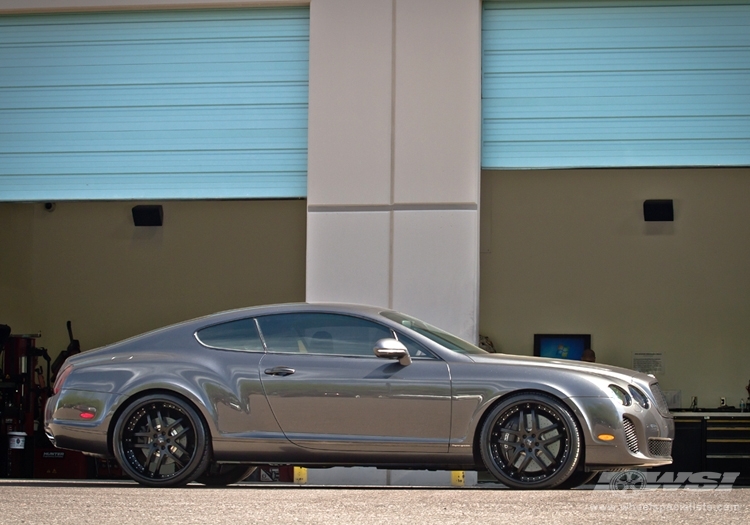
[124, 503]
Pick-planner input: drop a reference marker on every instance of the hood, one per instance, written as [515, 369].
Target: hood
[597, 369]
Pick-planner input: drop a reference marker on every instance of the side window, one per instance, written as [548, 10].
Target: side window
[415, 349]
[234, 335]
[315, 333]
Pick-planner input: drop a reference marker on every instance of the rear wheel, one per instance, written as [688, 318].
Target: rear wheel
[160, 441]
[221, 475]
[530, 441]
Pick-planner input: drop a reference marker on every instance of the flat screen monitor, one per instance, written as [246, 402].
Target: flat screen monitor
[561, 346]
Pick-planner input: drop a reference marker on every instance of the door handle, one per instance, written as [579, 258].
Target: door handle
[279, 371]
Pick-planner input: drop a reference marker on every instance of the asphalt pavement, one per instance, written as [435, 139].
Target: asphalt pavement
[125, 503]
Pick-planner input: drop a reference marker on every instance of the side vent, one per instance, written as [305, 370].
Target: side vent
[631, 437]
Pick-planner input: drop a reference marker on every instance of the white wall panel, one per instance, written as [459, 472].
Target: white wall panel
[350, 121]
[435, 267]
[348, 257]
[437, 89]
[394, 156]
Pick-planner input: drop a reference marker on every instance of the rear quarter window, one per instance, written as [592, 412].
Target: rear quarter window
[235, 335]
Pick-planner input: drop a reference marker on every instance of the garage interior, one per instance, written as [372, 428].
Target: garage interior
[86, 262]
[569, 252]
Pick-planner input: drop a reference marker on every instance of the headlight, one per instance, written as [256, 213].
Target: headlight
[639, 397]
[620, 394]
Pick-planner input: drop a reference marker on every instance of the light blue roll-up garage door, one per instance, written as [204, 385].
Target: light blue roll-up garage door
[622, 83]
[154, 105]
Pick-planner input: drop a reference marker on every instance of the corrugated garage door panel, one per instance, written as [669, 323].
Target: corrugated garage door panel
[179, 104]
[595, 84]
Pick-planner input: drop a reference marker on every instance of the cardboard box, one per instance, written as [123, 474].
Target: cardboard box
[59, 464]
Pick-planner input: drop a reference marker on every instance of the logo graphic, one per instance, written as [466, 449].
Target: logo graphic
[631, 481]
[628, 481]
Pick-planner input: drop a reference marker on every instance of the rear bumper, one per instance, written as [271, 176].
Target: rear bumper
[79, 420]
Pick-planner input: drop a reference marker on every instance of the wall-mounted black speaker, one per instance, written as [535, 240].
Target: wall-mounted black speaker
[658, 210]
[148, 215]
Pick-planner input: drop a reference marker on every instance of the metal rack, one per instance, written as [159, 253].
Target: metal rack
[24, 389]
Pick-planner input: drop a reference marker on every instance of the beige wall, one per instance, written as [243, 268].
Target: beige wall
[394, 135]
[16, 226]
[569, 252]
[87, 263]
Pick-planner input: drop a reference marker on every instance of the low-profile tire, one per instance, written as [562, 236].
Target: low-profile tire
[161, 441]
[530, 441]
[221, 475]
[577, 479]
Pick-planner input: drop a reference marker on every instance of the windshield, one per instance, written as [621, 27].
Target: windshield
[441, 337]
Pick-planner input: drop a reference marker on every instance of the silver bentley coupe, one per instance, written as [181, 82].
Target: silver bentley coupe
[322, 385]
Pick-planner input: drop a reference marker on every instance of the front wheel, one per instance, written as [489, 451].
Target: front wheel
[530, 441]
[160, 441]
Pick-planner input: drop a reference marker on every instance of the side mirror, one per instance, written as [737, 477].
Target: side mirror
[391, 349]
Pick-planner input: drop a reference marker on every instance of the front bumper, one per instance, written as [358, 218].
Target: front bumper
[642, 437]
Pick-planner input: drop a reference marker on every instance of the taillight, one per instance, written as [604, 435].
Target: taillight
[61, 377]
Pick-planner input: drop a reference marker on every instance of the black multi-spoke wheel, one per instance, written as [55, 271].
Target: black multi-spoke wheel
[530, 441]
[221, 475]
[161, 441]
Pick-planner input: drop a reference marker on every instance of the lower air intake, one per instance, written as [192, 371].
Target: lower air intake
[661, 447]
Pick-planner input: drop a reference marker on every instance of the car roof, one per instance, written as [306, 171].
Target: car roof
[256, 311]
[252, 311]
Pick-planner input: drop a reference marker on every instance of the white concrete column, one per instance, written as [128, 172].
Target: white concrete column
[394, 157]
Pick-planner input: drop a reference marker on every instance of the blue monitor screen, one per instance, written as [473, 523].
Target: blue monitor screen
[561, 346]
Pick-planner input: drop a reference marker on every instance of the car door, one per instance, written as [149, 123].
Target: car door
[329, 391]
[240, 406]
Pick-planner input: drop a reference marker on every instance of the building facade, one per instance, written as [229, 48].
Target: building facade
[481, 165]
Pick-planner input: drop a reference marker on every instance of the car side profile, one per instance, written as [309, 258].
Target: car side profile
[322, 385]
